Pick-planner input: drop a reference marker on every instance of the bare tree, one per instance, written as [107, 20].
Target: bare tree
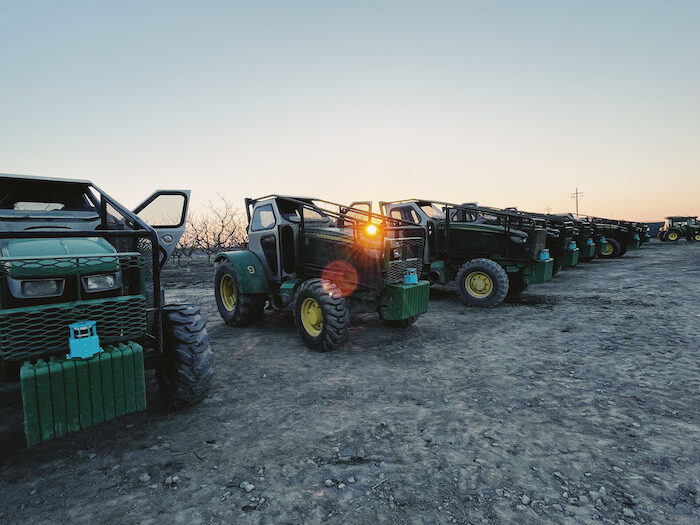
[220, 228]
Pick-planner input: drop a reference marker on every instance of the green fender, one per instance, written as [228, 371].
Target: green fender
[249, 270]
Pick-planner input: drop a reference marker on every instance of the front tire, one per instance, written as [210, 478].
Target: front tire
[482, 283]
[321, 315]
[235, 308]
[185, 376]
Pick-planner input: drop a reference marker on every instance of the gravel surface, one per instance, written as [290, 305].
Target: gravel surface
[578, 403]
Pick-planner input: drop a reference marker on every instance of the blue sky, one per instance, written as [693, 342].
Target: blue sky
[505, 103]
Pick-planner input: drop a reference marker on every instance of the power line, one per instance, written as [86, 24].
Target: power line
[548, 210]
[577, 195]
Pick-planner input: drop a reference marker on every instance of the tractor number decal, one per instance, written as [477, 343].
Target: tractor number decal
[251, 270]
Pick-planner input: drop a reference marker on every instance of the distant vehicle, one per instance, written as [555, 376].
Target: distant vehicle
[679, 226]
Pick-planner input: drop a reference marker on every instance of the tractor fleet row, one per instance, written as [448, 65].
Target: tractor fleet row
[83, 313]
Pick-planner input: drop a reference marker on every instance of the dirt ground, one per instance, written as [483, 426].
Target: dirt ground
[579, 403]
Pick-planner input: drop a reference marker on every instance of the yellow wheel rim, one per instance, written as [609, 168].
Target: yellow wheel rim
[227, 291]
[607, 250]
[672, 236]
[311, 317]
[697, 236]
[478, 284]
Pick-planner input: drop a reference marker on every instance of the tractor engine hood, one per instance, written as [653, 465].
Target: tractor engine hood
[59, 248]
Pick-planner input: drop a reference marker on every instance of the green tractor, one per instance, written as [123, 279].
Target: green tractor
[620, 236]
[677, 227]
[491, 253]
[561, 243]
[583, 235]
[322, 261]
[82, 312]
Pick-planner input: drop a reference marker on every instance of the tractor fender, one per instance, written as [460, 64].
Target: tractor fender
[249, 270]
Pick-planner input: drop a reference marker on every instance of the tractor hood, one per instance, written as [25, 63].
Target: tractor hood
[478, 226]
[60, 248]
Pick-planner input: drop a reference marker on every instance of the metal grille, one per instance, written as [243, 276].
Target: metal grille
[536, 241]
[410, 256]
[37, 331]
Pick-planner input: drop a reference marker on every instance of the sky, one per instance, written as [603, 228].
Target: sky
[503, 103]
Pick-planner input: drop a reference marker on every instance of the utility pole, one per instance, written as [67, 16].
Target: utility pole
[577, 195]
[548, 210]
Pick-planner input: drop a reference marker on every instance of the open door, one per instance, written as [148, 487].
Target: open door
[166, 212]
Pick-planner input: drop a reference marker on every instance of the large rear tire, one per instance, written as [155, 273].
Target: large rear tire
[673, 235]
[321, 315]
[185, 376]
[235, 308]
[611, 251]
[482, 283]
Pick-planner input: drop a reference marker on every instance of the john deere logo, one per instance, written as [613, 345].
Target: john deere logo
[251, 270]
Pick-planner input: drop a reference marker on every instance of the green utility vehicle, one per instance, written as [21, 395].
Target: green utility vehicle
[620, 236]
[560, 239]
[680, 226]
[82, 313]
[322, 261]
[491, 253]
[584, 236]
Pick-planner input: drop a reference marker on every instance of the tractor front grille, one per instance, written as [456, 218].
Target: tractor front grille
[36, 327]
[401, 255]
[36, 331]
[536, 242]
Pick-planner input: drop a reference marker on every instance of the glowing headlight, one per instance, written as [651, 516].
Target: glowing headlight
[371, 229]
[42, 288]
[100, 283]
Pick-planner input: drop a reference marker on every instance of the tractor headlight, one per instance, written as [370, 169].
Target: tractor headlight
[518, 240]
[42, 288]
[102, 282]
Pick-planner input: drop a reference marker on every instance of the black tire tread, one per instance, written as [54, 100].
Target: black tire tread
[186, 374]
[498, 276]
[336, 316]
[249, 307]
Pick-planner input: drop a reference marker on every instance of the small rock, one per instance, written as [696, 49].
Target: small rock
[249, 487]
[583, 499]
[351, 479]
[628, 512]
[635, 424]
[564, 494]
[329, 483]
[176, 479]
[92, 455]
[341, 486]
[261, 471]
[587, 474]
[593, 494]
[617, 469]
[602, 490]
[361, 453]
[520, 507]
[225, 496]
[115, 467]
[33, 491]
[336, 449]
[499, 492]
[169, 480]
[145, 477]
[153, 486]
[525, 499]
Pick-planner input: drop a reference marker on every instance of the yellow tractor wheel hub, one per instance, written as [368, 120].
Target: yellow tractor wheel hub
[478, 284]
[607, 250]
[672, 236]
[697, 236]
[227, 291]
[311, 317]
